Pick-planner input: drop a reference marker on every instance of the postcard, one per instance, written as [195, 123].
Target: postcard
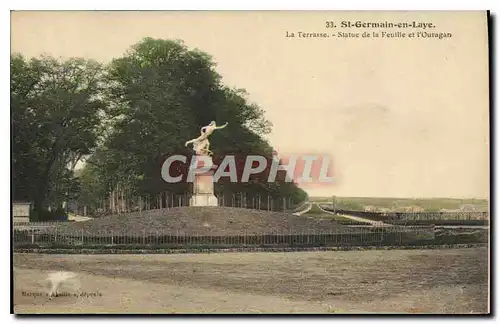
[250, 162]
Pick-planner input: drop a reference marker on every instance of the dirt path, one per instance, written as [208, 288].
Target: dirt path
[416, 281]
[356, 218]
[307, 208]
[78, 218]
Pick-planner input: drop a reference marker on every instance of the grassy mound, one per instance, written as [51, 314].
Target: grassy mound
[201, 221]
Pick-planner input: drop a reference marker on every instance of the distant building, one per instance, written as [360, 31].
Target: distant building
[410, 209]
[468, 208]
[21, 211]
[370, 209]
[416, 209]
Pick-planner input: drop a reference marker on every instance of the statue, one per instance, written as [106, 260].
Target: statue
[201, 145]
[203, 186]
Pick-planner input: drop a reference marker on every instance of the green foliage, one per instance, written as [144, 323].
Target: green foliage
[43, 215]
[125, 118]
[56, 119]
[162, 94]
[93, 185]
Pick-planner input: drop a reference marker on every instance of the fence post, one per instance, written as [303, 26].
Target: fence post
[112, 238]
[82, 238]
[284, 204]
[32, 236]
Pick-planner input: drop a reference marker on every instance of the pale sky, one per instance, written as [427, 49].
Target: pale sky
[399, 117]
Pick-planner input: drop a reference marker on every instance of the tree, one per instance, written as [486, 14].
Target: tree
[57, 107]
[161, 94]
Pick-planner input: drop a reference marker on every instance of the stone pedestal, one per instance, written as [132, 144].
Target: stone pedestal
[203, 189]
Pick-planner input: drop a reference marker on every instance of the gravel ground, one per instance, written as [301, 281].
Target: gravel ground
[401, 281]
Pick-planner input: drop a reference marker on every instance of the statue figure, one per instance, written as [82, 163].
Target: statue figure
[201, 145]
